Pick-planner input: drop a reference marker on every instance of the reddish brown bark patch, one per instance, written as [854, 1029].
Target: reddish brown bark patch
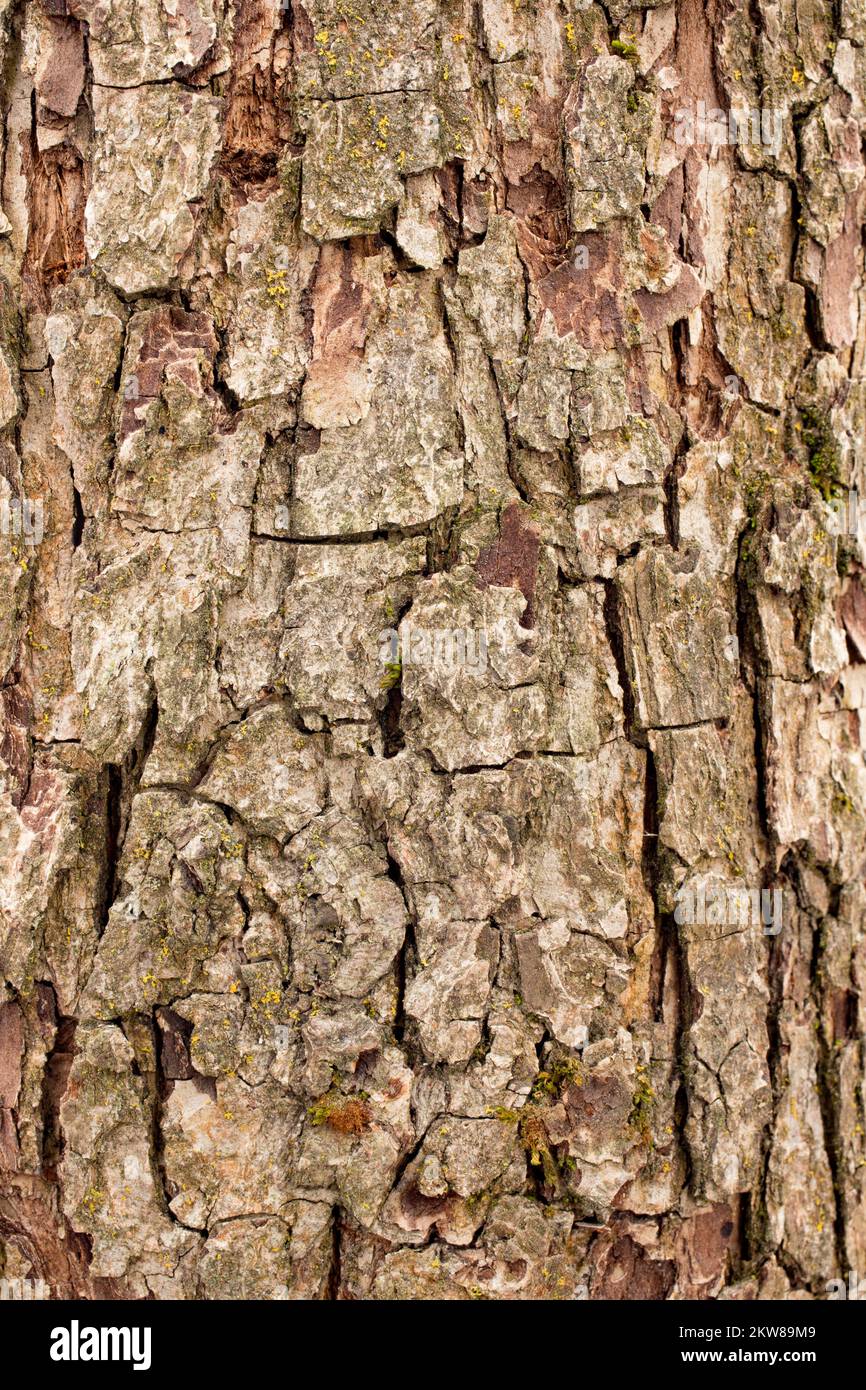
[258, 120]
[584, 299]
[450, 181]
[475, 206]
[704, 1243]
[694, 54]
[56, 194]
[853, 614]
[11, 1050]
[177, 343]
[54, 1085]
[16, 712]
[339, 304]
[667, 210]
[625, 1271]
[175, 1060]
[538, 203]
[60, 74]
[513, 560]
[843, 1014]
[659, 310]
[40, 806]
[30, 1217]
[421, 1213]
[840, 273]
[599, 1099]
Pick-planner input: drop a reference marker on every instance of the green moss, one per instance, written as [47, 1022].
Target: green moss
[823, 452]
[536, 1142]
[564, 1072]
[344, 1114]
[501, 1112]
[643, 1101]
[393, 672]
[625, 50]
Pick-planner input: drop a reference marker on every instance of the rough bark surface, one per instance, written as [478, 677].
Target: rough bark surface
[325, 975]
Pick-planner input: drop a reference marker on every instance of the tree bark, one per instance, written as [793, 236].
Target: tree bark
[434, 648]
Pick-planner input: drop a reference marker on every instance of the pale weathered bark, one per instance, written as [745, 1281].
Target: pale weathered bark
[327, 973]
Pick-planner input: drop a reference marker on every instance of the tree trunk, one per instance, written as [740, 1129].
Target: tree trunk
[434, 657]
